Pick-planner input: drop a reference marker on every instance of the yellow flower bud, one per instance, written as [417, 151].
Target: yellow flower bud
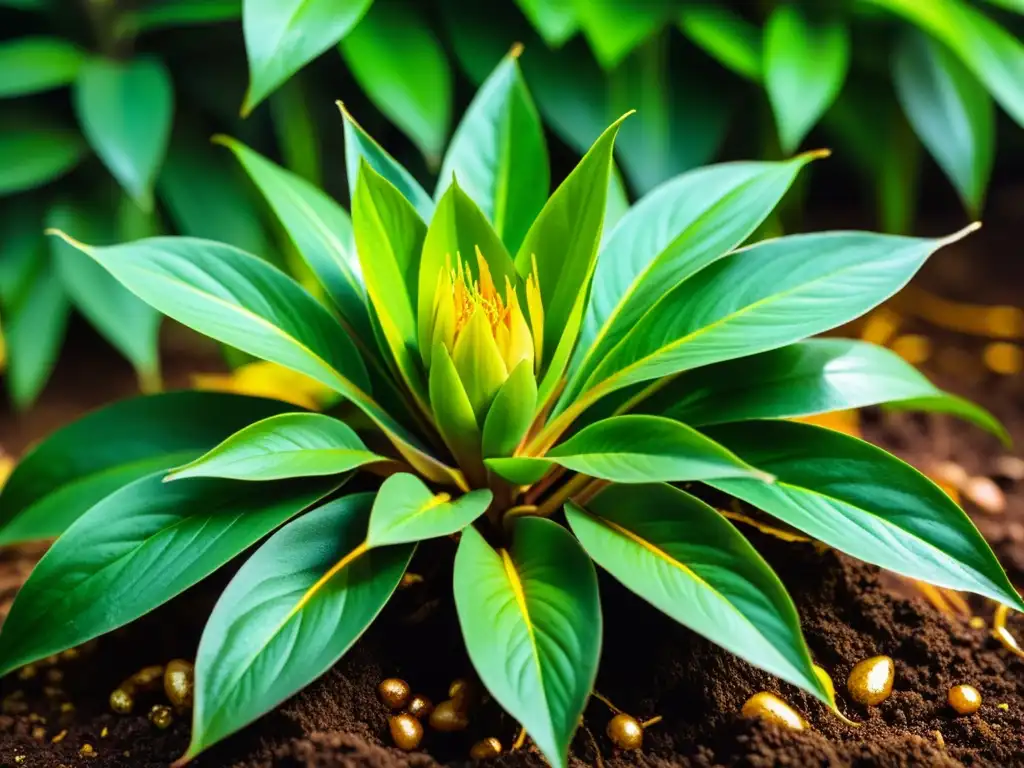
[484, 329]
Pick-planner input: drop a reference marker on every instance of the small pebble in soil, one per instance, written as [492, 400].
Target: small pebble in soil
[965, 699]
[146, 679]
[448, 716]
[161, 716]
[768, 706]
[1010, 467]
[121, 701]
[59, 737]
[984, 492]
[461, 691]
[485, 748]
[950, 472]
[976, 622]
[394, 693]
[870, 681]
[87, 750]
[625, 732]
[420, 706]
[406, 732]
[179, 683]
[27, 672]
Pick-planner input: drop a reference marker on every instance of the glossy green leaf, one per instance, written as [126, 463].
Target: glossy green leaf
[320, 229]
[128, 323]
[453, 414]
[950, 111]
[389, 240]
[242, 301]
[632, 449]
[125, 110]
[134, 551]
[499, 156]
[360, 146]
[511, 413]
[757, 300]
[34, 332]
[290, 613]
[282, 36]
[563, 242]
[414, 89]
[531, 619]
[555, 20]
[22, 248]
[57, 481]
[805, 64]
[671, 234]
[614, 28]
[726, 36]
[35, 151]
[859, 499]
[689, 562]
[805, 379]
[406, 511]
[283, 446]
[991, 52]
[219, 207]
[33, 64]
[458, 230]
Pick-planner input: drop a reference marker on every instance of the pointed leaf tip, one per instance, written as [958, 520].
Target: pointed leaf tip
[816, 154]
[516, 50]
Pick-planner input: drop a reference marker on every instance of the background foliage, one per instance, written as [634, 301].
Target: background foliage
[108, 105]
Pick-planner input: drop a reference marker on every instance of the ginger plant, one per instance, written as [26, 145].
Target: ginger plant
[533, 376]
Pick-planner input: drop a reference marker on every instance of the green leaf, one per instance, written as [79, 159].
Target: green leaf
[290, 613]
[453, 414]
[297, 131]
[632, 449]
[165, 14]
[219, 207]
[282, 36]
[859, 499]
[757, 300]
[389, 240]
[35, 151]
[320, 229]
[511, 413]
[33, 64]
[281, 447]
[614, 28]
[673, 232]
[951, 113]
[805, 379]
[406, 511]
[499, 156]
[805, 65]
[726, 36]
[360, 146]
[555, 20]
[22, 247]
[531, 619]
[689, 562]
[125, 111]
[992, 53]
[413, 90]
[134, 551]
[128, 323]
[57, 481]
[457, 231]
[34, 331]
[242, 301]
[563, 241]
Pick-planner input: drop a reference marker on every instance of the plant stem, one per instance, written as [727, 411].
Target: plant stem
[563, 494]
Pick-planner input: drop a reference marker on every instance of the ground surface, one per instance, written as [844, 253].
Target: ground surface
[650, 665]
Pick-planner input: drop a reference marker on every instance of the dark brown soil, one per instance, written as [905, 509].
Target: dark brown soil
[651, 666]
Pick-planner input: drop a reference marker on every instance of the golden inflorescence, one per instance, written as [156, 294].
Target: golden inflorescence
[871, 680]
